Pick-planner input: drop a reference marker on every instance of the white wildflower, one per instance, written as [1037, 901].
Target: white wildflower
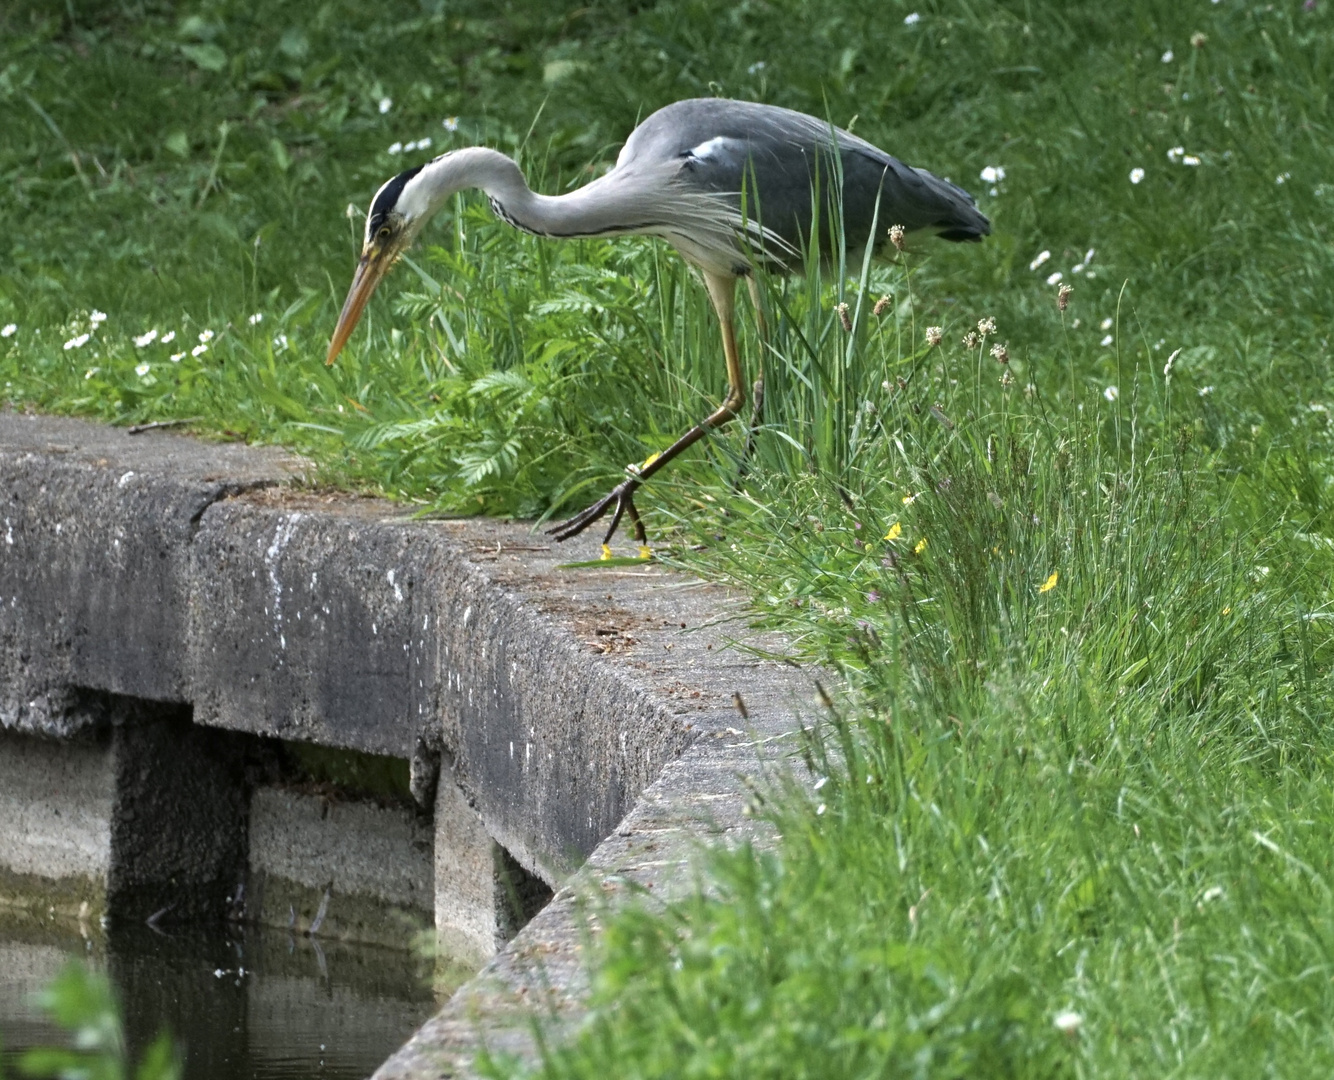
[912, 19]
[10, 329]
[993, 174]
[1174, 155]
[199, 350]
[256, 318]
[450, 123]
[205, 336]
[1136, 175]
[141, 369]
[97, 318]
[1112, 393]
[1205, 391]
[424, 143]
[91, 372]
[1107, 341]
[396, 148]
[177, 357]
[145, 339]
[1067, 1022]
[755, 68]
[1190, 159]
[76, 342]
[1214, 892]
[1039, 259]
[1168, 56]
[168, 337]
[280, 342]
[1106, 323]
[1054, 278]
[385, 105]
[1283, 178]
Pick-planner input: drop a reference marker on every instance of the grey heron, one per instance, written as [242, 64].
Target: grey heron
[732, 185]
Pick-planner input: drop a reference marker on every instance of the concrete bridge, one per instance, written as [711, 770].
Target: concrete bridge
[226, 694]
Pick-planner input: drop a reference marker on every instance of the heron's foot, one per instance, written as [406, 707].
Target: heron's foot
[622, 497]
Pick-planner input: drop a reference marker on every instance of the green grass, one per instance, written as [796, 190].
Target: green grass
[1086, 761]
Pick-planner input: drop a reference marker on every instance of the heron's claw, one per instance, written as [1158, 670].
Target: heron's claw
[622, 495]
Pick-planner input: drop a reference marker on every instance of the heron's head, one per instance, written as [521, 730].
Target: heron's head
[397, 214]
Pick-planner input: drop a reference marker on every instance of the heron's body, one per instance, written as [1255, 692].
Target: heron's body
[732, 185]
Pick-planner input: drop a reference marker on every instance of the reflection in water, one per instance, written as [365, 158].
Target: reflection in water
[245, 1003]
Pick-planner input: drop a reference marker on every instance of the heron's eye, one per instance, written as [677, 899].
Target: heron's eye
[384, 232]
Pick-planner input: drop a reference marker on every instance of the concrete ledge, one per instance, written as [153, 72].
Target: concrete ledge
[570, 712]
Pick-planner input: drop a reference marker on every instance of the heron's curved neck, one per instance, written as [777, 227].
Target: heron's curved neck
[575, 214]
[473, 167]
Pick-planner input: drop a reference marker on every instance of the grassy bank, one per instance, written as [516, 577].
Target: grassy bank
[1081, 596]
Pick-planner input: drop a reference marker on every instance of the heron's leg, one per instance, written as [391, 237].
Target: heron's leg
[757, 391]
[722, 291]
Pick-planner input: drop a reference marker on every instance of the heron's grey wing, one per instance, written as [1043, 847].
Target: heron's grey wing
[784, 163]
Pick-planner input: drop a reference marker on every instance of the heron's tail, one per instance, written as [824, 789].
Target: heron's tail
[959, 218]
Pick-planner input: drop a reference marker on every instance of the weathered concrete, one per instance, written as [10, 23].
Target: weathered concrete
[364, 870]
[140, 815]
[95, 531]
[702, 796]
[55, 823]
[561, 706]
[178, 826]
[342, 621]
[482, 895]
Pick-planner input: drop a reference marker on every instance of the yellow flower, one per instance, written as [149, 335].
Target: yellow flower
[645, 552]
[1227, 611]
[921, 546]
[606, 551]
[909, 500]
[895, 531]
[1050, 583]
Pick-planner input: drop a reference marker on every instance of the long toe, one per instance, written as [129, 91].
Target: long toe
[582, 520]
[623, 502]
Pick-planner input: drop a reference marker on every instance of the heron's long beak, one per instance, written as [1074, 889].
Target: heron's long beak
[370, 270]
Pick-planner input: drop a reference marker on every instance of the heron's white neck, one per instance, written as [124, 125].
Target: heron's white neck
[592, 210]
[473, 167]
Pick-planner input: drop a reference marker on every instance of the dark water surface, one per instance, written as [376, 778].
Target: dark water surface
[245, 1003]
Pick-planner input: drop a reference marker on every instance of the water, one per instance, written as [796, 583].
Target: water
[244, 1003]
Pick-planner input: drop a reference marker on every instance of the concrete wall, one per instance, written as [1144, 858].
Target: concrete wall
[568, 712]
[163, 569]
[155, 817]
[362, 869]
[55, 823]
